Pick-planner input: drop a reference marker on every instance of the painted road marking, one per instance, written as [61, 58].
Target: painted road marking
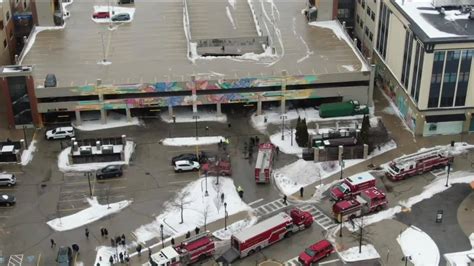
[86, 191]
[329, 261]
[270, 207]
[319, 217]
[294, 262]
[181, 182]
[255, 202]
[15, 260]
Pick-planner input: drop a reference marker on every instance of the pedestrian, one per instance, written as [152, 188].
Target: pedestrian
[127, 257]
[277, 150]
[188, 234]
[139, 249]
[98, 264]
[106, 233]
[112, 242]
[222, 197]
[257, 140]
[196, 230]
[301, 192]
[87, 232]
[240, 191]
[118, 240]
[252, 141]
[123, 237]
[53, 244]
[229, 125]
[284, 200]
[172, 241]
[102, 232]
[123, 242]
[75, 247]
[111, 260]
[121, 257]
[149, 252]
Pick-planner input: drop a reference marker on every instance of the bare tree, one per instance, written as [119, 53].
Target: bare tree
[180, 201]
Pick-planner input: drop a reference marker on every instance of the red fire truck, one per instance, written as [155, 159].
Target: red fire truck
[369, 200]
[264, 164]
[418, 163]
[352, 185]
[270, 231]
[190, 251]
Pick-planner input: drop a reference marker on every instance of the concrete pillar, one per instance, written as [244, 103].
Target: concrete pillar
[170, 110]
[370, 90]
[124, 139]
[97, 145]
[78, 117]
[283, 90]
[259, 106]
[467, 123]
[340, 152]
[317, 128]
[72, 142]
[128, 113]
[103, 116]
[193, 91]
[22, 145]
[366, 151]
[316, 154]
[337, 125]
[75, 146]
[219, 109]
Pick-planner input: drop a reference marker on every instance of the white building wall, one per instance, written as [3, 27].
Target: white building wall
[425, 81]
[395, 46]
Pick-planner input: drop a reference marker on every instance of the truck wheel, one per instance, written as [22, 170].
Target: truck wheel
[288, 234]
[379, 208]
[251, 252]
[202, 257]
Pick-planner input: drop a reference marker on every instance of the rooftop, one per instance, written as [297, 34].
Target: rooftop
[429, 24]
[154, 47]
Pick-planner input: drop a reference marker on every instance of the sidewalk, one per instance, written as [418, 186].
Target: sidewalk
[466, 215]
[406, 144]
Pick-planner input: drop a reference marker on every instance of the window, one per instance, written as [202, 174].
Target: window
[24, 5]
[436, 77]
[361, 24]
[463, 77]
[384, 20]
[417, 70]
[371, 36]
[407, 55]
[1, 25]
[450, 78]
[433, 127]
[8, 15]
[357, 18]
[366, 31]
[363, 3]
[372, 16]
[368, 11]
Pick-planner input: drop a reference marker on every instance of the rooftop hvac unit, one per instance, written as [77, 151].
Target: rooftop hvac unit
[85, 150]
[107, 149]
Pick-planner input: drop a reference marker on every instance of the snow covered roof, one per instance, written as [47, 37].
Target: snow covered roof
[431, 26]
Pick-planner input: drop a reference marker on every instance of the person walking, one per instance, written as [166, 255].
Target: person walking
[112, 242]
[139, 249]
[121, 257]
[257, 140]
[284, 200]
[301, 192]
[111, 260]
[240, 191]
[149, 252]
[196, 230]
[172, 241]
[106, 232]
[222, 197]
[87, 232]
[277, 150]
[188, 234]
[53, 244]
[102, 232]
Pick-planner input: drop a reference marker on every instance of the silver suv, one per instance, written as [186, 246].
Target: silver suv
[7, 179]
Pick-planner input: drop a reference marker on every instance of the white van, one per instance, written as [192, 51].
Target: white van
[7, 179]
[60, 133]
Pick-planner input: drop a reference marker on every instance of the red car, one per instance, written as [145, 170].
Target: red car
[101, 15]
[316, 252]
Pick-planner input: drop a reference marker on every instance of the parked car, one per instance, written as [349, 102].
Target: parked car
[60, 133]
[101, 14]
[315, 252]
[185, 165]
[121, 17]
[189, 157]
[7, 179]
[120, 2]
[50, 81]
[109, 171]
[7, 200]
[64, 257]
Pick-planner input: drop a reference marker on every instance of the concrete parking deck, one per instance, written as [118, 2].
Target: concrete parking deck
[153, 47]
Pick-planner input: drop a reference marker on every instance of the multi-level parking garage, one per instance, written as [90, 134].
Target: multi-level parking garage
[153, 61]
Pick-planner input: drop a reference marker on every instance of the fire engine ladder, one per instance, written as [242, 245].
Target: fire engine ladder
[419, 155]
[194, 238]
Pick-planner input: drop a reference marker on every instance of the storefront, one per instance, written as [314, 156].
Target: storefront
[444, 124]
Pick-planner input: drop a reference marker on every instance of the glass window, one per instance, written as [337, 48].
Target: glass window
[435, 88]
[450, 78]
[463, 79]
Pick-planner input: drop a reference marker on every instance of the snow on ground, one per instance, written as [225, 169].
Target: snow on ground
[352, 254]
[195, 206]
[229, 15]
[182, 116]
[337, 29]
[27, 154]
[349, 68]
[419, 246]
[435, 187]
[95, 212]
[273, 116]
[461, 258]
[65, 166]
[285, 145]
[383, 148]
[93, 122]
[389, 110]
[290, 178]
[192, 141]
[232, 3]
[396, 111]
[114, 10]
[104, 253]
[234, 228]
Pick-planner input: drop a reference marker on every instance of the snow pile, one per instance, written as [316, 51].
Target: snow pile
[460, 148]
[383, 148]
[65, 166]
[234, 228]
[196, 207]
[27, 155]
[31, 39]
[290, 178]
[396, 111]
[461, 258]
[66, 13]
[229, 16]
[113, 11]
[104, 253]
[286, 145]
[93, 122]
[95, 212]
[352, 254]
[419, 246]
[349, 68]
[104, 62]
[192, 141]
[187, 117]
[341, 34]
[273, 116]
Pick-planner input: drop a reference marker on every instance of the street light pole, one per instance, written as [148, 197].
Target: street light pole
[88, 174]
[162, 240]
[196, 117]
[341, 221]
[206, 193]
[341, 163]
[447, 176]
[24, 136]
[225, 215]
[360, 234]
[283, 127]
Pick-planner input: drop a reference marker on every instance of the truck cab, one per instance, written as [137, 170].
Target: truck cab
[301, 218]
[352, 186]
[346, 209]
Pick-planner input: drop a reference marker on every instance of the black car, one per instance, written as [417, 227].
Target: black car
[121, 17]
[189, 157]
[50, 81]
[109, 171]
[64, 257]
[7, 200]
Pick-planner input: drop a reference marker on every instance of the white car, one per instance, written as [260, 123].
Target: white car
[180, 166]
[60, 133]
[7, 179]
